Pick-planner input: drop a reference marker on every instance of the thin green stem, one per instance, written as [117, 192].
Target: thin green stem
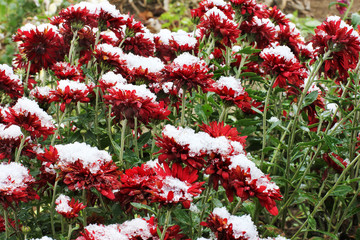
[223, 114]
[6, 217]
[27, 78]
[183, 107]
[69, 232]
[21, 146]
[136, 147]
[52, 206]
[122, 143]
[84, 198]
[203, 207]
[166, 224]
[348, 10]
[72, 48]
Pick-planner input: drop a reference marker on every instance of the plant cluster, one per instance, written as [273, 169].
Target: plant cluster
[241, 129]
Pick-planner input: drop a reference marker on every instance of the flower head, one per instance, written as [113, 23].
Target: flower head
[68, 208]
[64, 70]
[10, 83]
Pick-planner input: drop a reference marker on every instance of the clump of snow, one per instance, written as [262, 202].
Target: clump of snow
[10, 73]
[153, 64]
[110, 49]
[42, 91]
[7, 132]
[12, 177]
[91, 157]
[221, 212]
[112, 78]
[187, 59]
[177, 187]
[108, 8]
[215, 11]
[62, 203]
[183, 38]
[230, 83]
[141, 90]
[73, 85]
[243, 226]
[279, 51]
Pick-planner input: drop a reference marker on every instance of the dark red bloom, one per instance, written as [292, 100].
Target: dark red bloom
[10, 138]
[342, 9]
[42, 95]
[68, 208]
[49, 159]
[175, 185]
[64, 70]
[79, 15]
[141, 44]
[110, 57]
[206, 5]
[10, 83]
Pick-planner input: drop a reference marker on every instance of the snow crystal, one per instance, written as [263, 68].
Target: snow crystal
[141, 90]
[164, 36]
[216, 11]
[110, 232]
[91, 157]
[182, 38]
[73, 85]
[221, 212]
[279, 51]
[26, 106]
[153, 64]
[12, 131]
[110, 34]
[12, 176]
[243, 226]
[42, 91]
[62, 203]
[152, 163]
[110, 49]
[92, 8]
[137, 226]
[109, 8]
[219, 3]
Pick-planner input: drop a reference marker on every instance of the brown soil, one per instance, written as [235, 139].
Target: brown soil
[320, 9]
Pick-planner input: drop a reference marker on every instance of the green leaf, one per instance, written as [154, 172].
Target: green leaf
[142, 206]
[310, 98]
[312, 223]
[331, 142]
[144, 138]
[182, 216]
[355, 19]
[341, 190]
[337, 3]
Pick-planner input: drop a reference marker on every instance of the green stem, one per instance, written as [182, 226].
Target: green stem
[27, 78]
[136, 147]
[21, 146]
[203, 206]
[72, 48]
[59, 121]
[167, 220]
[326, 196]
[348, 10]
[183, 108]
[122, 143]
[84, 197]
[52, 206]
[69, 232]
[223, 114]
[7, 233]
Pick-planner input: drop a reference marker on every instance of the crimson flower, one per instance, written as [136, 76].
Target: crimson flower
[216, 23]
[30, 117]
[42, 45]
[111, 79]
[64, 70]
[344, 43]
[15, 184]
[85, 167]
[175, 185]
[10, 83]
[206, 5]
[110, 57]
[342, 9]
[336, 162]
[79, 15]
[42, 95]
[68, 208]
[49, 159]
[10, 138]
[141, 44]
[188, 72]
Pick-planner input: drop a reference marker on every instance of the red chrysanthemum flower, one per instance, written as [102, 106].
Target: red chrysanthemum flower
[175, 185]
[206, 5]
[246, 180]
[111, 79]
[42, 45]
[340, 8]
[85, 167]
[67, 207]
[48, 169]
[42, 95]
[141, 44]
[30, 117]
[344, 43]
[244, 8]
[231, 92]
[279, 61]
[10, 138]
[135, 185]
[129, 101]
[10, 83]
[110, 57]
[79, 15]
[336, 162]
[68, 91]
[230, 227]
[277, 16]
[15, 184]
[64, 70]
[109, 17]
[260, 31]
[188, 72]
[216, 23]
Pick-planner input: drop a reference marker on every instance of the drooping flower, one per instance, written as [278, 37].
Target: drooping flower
[231, 227]
[187, 71]
[42, 45]
[281, 63]
[10, 83]
[29, 116]
[131, 101]
[85, 167]
[68, 91]
[340, 8]
[64, 70]
[15, 184]
[336, 162]
[231, 92]
[215, 22]
[68, 208]
[344, 43]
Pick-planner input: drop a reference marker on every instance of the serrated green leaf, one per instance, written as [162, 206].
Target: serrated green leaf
[341, 190]
[142, 206]
[310, 98]
[144, 138]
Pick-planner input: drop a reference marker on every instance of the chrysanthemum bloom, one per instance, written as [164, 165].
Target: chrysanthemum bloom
[85, 167]
[175, 185]
[244, 8]
[341, 9]
[49, 158]
[246, 180]
[81, 14]
[141, 44]
[110, 57]
[336, 162]
[277, 16]
[29, 116]
[231, 227]
[206, 5]
[260, 31]
[163, 49]
[42, 95]
[68, 91]
[110, 79]
[281, 63]
[143, 69]
[67, 207]
[188, 72]
[15, 184]
[138, 228]
[10, 83]
[64, 70]
[108, 16]
[231, 92]
[129, 101]
[10, 138]
[215, 23]
[135, 185]
[344, 43]
[183, 145]
[42, 45]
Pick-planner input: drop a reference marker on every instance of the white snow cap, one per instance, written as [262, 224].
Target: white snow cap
[12, 131]
[109, 8]
[42, 91]
[187, 59]
[43, 238]
[112, 78]
[62, 203]
[153, 64]
[13, 176]
[141, 90]
[73, 85]
[343, 25]
[27, 106]
[41, 28]
[279, 51]
[216, 11]
[230, 83]
[92, 8]
[91, 157]
[177, 187]
[10, 73]
[182, 38]
[110, 49]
